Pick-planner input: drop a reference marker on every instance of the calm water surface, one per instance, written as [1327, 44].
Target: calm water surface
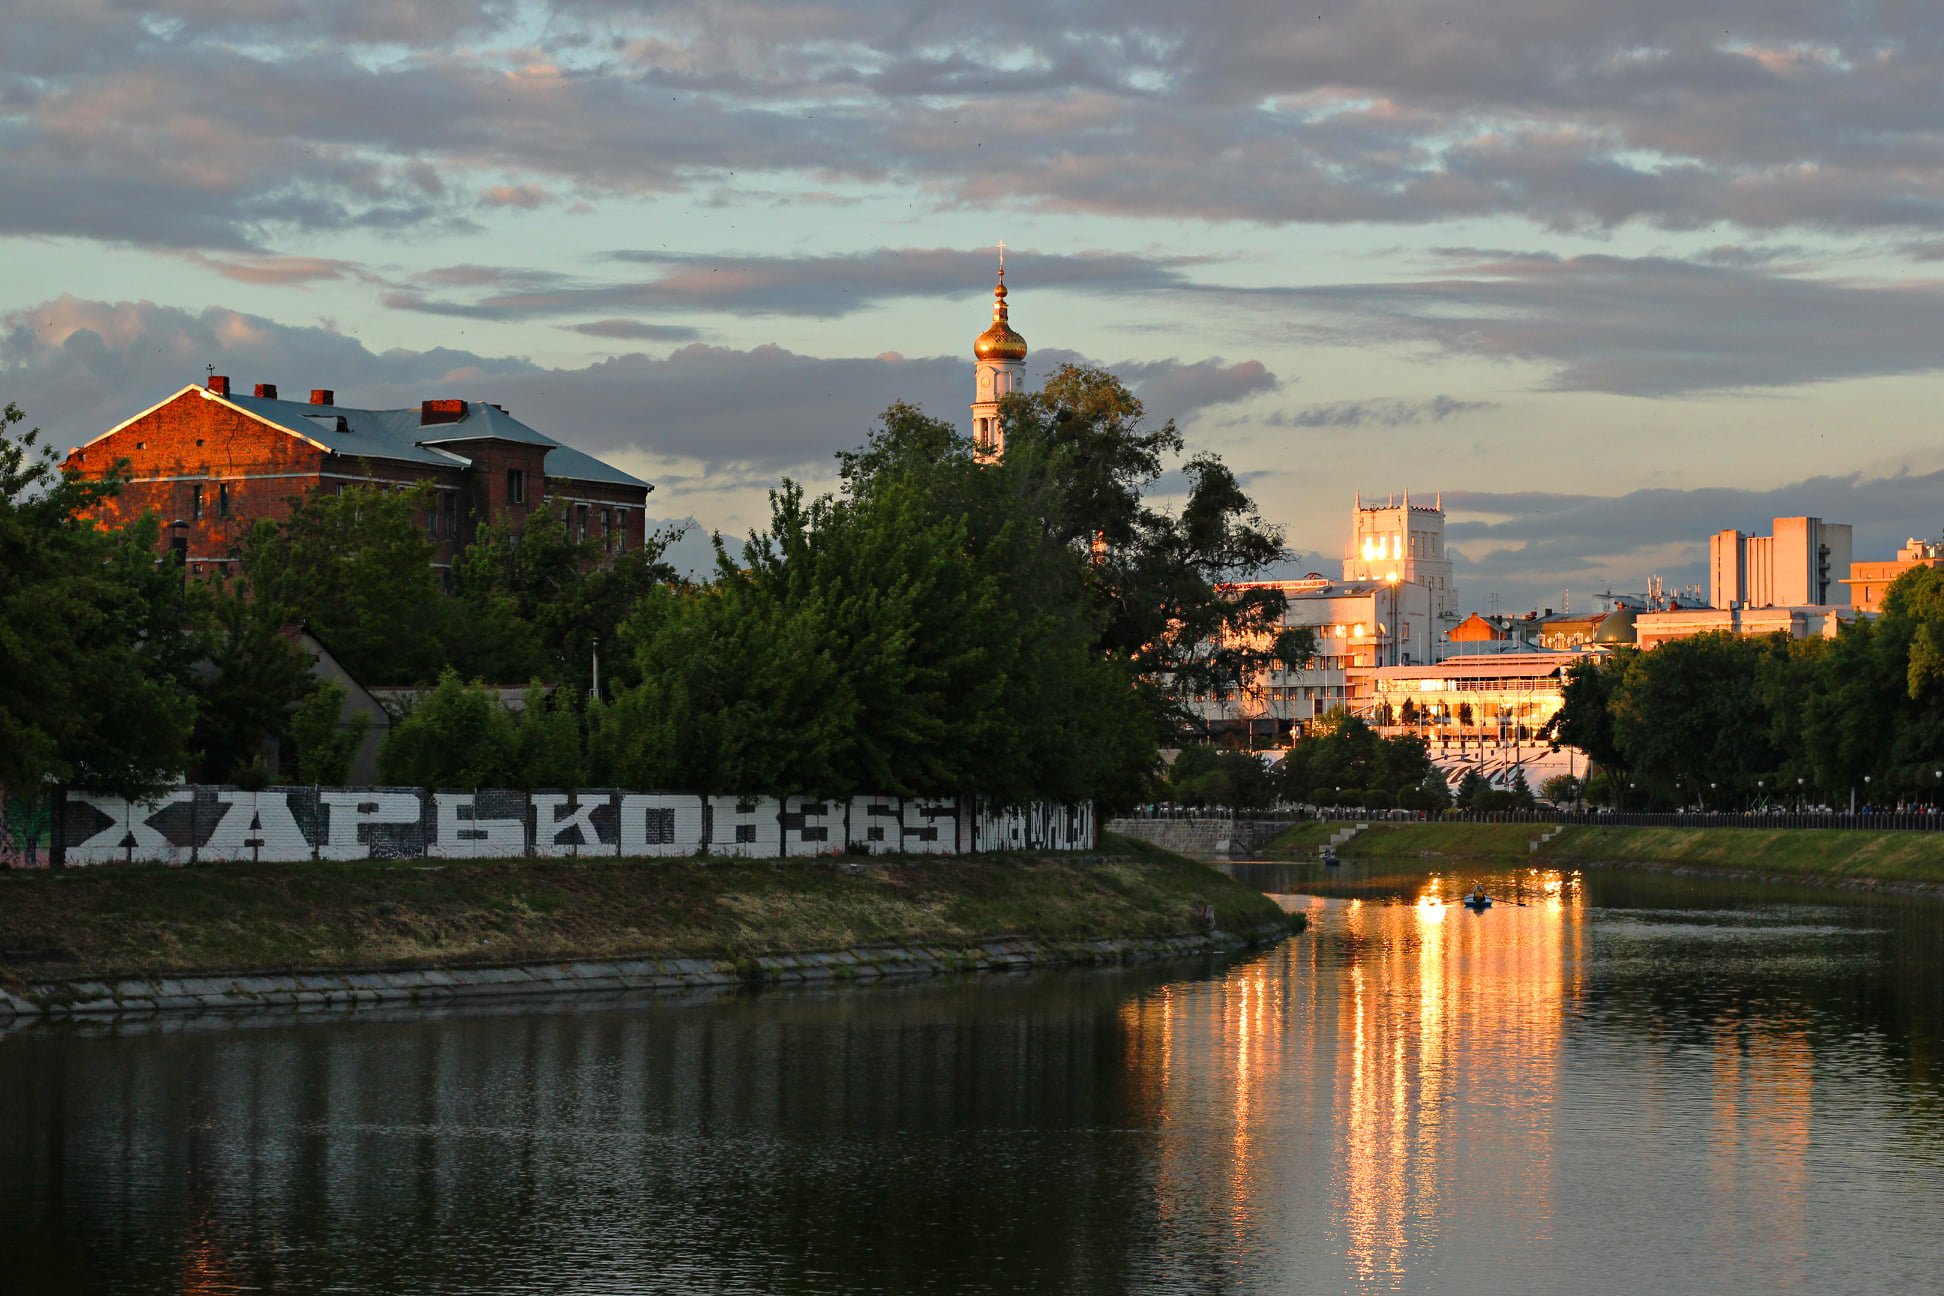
[1630, 1083]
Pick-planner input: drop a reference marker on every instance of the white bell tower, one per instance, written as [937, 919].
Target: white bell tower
[1000, 354]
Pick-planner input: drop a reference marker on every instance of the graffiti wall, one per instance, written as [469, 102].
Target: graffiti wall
[207, 824]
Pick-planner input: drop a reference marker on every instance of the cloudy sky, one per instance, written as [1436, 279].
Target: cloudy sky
[1610, 275]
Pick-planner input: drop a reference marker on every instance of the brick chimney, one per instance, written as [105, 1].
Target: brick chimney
[219, 383]
[323, 396]
[441, 411]
[268, 391]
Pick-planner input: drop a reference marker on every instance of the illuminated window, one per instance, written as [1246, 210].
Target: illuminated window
[195, 502]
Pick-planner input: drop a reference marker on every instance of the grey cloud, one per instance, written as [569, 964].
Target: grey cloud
[1171, 389]
[818, 286]
[1645, 326]
[1380, 412]
[305, 115]
[635, 330]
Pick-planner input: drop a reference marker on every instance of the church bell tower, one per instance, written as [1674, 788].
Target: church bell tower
[1001, 369]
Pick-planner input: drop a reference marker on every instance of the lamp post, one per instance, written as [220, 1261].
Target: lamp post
[594, 691]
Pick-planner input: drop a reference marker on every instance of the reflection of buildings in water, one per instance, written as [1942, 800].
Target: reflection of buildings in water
[1430, 1058]
[1449, 1033]
[1759, 1132]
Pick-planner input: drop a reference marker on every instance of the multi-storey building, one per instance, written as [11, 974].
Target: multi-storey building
[1868, 581]
[209, 463]
[1404, 542]
[1800, 565]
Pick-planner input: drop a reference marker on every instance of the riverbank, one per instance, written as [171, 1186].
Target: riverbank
[227, 935]
[1840, 856]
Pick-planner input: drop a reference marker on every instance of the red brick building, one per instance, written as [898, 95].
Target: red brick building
[218, 462]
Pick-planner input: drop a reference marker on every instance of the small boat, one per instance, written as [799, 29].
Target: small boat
[1329, 857]
[1477, 899]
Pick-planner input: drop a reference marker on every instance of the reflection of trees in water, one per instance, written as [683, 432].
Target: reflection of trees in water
[1856, 980]
[977, 1135]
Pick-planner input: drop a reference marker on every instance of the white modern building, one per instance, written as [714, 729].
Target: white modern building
[1801, 565]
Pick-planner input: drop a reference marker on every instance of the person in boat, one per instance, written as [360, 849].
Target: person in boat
[1477, 895]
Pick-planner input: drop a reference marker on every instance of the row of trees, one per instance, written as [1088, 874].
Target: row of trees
[934, 626]
[1726, 723]
[1342, 762]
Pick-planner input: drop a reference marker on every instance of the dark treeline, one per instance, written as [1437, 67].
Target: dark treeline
[934, 626]
[1728, 723]
[1342, 762]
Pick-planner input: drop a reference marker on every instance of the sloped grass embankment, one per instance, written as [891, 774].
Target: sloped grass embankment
[1843, 855]
[147, 922]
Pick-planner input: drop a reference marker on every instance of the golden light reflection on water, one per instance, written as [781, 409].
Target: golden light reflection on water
[1438, 1015]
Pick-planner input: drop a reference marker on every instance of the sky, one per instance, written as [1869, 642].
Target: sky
[1611, 276]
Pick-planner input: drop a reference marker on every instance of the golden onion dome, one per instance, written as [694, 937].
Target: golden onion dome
[999, 342]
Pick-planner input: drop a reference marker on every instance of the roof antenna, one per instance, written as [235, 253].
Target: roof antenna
[209, 371]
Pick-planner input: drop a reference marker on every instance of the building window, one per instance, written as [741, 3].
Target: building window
[195, 503]
[580, 522]
[515, 486]
[222, 499]
[450, 503]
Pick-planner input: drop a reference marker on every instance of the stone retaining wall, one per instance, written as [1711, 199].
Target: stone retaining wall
[1200, 838]
[317, 991]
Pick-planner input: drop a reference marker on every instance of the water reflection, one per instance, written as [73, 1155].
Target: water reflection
[1601, 1084]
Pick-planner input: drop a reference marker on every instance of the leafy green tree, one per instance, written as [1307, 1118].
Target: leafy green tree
[1220, 776]
[325, 745]
[1429, 793]
[250, 681]
[1155, 577]
[93, 661]
[457, 735]
[1689, 714]
[1561, 789]
[547, 742]
[355, 565]
[531, 600]
[1585, 717]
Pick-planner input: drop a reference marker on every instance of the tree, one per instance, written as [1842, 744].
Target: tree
[532, 600]
[1520, 791]
[325, 745]
[251, 679]
[1585, 717]
[1689, 714]
[93, 661]
[923, 633]
[1561, 789]
[356, 565]
[1220, 776]
[458, 735]
[1156, 578]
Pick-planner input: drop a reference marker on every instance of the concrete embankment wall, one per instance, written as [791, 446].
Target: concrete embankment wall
[1199, 838]
[340, 990]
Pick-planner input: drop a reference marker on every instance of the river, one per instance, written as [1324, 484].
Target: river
[1629, 1083]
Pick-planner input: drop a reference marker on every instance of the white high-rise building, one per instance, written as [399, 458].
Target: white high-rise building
[1404, 542]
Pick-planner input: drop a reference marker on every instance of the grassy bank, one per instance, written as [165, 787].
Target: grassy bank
[110, 922]
[1809, 853]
